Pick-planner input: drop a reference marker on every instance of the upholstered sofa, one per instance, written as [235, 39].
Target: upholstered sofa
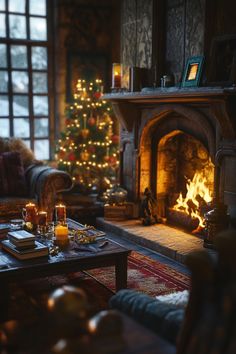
[208, 324]
[24, 179]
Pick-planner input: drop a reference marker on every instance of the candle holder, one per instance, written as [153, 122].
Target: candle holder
[42, 222]
[60, 214]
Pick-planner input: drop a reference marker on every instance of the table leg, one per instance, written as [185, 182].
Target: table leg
[4, 301]
[121, 272]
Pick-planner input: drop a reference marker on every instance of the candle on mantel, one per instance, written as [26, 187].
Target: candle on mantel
[60, 213]
[62, 234]
[30, 213]
[116, 75]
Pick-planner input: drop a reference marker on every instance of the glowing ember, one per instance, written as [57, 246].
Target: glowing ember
[197, 194]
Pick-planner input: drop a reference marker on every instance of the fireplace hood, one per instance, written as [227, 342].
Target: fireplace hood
[206, 113]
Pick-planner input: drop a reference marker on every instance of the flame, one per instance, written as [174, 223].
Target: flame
[196, 189]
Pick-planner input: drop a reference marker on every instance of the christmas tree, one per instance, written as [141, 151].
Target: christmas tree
[88, 146]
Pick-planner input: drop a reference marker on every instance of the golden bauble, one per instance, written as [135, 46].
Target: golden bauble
[107, 322]
[68, 302]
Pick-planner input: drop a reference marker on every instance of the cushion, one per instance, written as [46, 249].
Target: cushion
[17, 144]
[12, 177]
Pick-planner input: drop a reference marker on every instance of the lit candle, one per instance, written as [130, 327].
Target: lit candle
[61, 234]
[60, 213]
[30, 213]
[116, 75]
[117, 80]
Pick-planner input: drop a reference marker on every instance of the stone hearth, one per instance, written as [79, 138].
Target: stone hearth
[168, 241]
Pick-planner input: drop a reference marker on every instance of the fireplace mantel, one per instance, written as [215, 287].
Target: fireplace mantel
[128, 106]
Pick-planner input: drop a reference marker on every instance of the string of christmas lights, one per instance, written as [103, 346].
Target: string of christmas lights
[88, 147]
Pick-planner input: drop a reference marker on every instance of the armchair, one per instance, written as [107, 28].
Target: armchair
[42, 182]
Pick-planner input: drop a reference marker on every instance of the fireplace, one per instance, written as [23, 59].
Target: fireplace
[173, 138]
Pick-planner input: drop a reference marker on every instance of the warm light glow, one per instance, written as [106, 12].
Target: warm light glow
[195, 189]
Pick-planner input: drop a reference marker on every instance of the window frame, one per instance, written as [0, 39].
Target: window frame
[29, 43]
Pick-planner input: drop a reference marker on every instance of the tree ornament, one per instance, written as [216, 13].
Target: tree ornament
[84, 156]
[71, 156]
[106, 118]
[91, 149]
[112, 160]
[107, 158]
[115, 139]
[85, 133]
[91, 121]
[97, 95]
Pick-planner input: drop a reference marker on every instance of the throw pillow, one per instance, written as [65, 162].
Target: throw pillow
[12, 175]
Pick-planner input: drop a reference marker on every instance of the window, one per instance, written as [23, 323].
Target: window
[24, 73]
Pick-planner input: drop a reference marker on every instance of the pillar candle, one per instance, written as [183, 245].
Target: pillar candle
[60, 213]
[61, 234]
[30, 213]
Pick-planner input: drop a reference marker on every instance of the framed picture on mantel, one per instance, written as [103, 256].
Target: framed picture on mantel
[192, 72]
[221, 66]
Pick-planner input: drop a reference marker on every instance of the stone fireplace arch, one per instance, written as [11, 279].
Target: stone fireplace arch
[164, 120]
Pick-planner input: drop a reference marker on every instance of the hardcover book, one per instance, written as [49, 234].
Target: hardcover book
[39, 250]
[21, 236]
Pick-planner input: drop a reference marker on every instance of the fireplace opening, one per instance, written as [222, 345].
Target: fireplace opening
[184, 180]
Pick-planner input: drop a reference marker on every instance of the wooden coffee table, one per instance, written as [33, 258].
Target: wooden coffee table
[67, 260]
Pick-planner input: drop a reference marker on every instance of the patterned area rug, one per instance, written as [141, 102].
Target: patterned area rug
[144, 274]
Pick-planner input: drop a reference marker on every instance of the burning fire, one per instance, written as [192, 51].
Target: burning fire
[197, 194]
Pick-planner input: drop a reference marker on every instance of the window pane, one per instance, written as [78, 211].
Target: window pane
[4, 128]
[41, 149]
[4, 105]
[37, 7]
[2, 25]
[2, 5]
[17, 26]
[20, 106]
[21, 127]
[41, 127]
[20, 81]
[40, 104]
[3, 56]
[19, 56]
[3, 81]
[38, 28]
[40, 83]
[27, 142]
[17, 6]
[39, 58]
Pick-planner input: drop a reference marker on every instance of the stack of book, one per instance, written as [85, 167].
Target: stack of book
[4, 228]
[23, 245]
